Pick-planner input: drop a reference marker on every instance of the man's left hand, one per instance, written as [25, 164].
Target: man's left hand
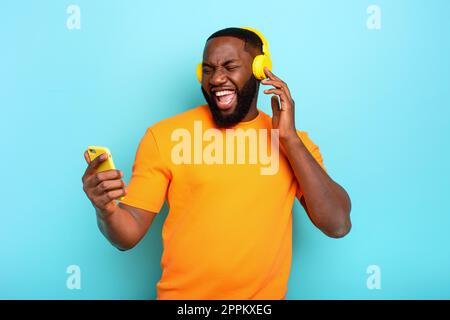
[283, 116]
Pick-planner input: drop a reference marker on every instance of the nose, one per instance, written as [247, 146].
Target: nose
[217, 78]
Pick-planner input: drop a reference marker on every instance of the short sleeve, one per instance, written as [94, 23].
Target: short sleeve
[150, 177]
[314, 151]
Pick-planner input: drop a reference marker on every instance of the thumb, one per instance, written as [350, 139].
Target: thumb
[86, 157]
[275, 105]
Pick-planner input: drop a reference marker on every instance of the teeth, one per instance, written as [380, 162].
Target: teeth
[223, 93]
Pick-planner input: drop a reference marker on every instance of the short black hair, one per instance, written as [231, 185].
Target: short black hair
[250, 38]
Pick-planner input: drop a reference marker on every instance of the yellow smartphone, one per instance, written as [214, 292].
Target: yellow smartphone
[95, 151]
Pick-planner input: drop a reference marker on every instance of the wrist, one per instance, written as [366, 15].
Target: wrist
[104, 215]
[290, 139]
[292, 146]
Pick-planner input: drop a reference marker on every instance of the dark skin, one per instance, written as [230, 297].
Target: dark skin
[326, 202]
[124, 226]
[227, 64]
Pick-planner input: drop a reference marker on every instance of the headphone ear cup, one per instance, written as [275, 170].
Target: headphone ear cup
[199, 72]
[258, 65]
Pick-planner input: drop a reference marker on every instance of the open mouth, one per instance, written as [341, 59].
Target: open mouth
[225, 99]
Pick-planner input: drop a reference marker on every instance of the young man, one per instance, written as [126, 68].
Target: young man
[228, 233]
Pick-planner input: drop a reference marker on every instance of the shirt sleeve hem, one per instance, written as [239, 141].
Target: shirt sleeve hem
[144, 205]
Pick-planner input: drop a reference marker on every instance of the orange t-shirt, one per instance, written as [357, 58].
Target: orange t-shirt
[228, 233]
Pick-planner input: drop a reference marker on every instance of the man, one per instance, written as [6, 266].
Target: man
[228, 233]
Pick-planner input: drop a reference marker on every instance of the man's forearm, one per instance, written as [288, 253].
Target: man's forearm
[327, 202]
[120, 228]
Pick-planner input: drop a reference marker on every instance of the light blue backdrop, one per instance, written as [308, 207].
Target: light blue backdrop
[375, 101]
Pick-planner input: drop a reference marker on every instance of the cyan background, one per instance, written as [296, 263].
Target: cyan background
[376, 102]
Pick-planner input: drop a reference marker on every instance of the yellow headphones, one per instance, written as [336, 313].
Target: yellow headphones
[260, 61]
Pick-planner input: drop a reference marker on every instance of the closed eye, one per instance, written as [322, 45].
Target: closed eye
[206, 69]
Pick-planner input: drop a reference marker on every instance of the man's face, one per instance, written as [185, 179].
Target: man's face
[228, 83]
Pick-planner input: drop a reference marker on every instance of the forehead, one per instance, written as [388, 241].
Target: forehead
[225, 48]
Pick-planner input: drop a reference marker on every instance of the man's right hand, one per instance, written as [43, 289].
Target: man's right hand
[103, 188]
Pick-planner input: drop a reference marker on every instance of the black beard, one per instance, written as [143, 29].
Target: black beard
[244, 100]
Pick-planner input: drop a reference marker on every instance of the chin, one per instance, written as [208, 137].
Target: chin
[228, 111]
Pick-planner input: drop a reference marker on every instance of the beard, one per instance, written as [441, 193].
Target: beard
[244, 98]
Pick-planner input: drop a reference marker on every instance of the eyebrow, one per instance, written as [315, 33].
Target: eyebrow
[205, 64]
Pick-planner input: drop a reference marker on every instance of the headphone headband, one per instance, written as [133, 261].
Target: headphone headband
[260, 62]
[265, 46]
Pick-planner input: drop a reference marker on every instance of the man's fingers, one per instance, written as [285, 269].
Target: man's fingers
[86, 173]
[278, 92]
[275, 104]
[97, 161]
[275, 109]
[285, 101]
[99, 177]
[275, 83]
[270, 74]
[278, 84]
[86, 157]
[94, 164]
[112, 195]
[109, 185]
